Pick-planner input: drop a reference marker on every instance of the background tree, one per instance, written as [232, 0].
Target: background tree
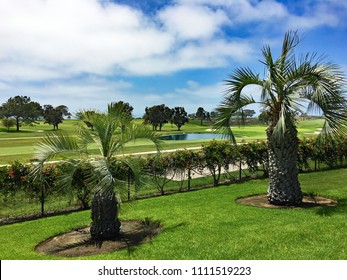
[126, 107]
[8, 122]
[179, 117]
[55, 115]
[83, 116]
[22, 109]
[213, 114]
[241, 116]
[126, 111]
[157, 116]
[249, 113]
[289, 83]
[200, 114]
[264, 117]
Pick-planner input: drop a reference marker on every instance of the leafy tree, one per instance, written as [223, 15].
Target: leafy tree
[179, 117]
[8, 122]
[22, 109]
[125, 106]
[84, 115]
[264, 117]
[157, 116]
[213, 114]
[249, 113]
[55, 115]
[241, 115]
[201, 114]
[125, 109]
[105, 184]
[288, 83]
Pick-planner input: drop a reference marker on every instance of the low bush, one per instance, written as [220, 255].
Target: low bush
[217, 157]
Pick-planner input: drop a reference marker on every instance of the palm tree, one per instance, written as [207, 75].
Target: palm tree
[291, 85]
[110, 132]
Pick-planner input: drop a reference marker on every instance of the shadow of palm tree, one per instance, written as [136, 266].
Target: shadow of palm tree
[341, 207]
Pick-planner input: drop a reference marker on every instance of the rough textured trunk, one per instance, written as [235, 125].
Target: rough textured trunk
[105, 222]
[284, 187]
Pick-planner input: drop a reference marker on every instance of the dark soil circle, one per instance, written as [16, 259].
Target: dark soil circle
[78, 242]
[308, 201]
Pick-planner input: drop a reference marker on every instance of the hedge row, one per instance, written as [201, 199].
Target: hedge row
[214, 159]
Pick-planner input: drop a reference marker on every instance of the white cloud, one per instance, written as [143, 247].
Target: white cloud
[217, 53]
[195, 95]
[48, 45]
[241, 11]
[75, 36]
[192, 21]
[88, 92]
[57, 39]
[316, 14]
[265, 12]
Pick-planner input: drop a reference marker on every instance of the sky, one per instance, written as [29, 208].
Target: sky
[87, 53]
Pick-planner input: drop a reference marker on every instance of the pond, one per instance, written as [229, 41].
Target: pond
[192, 136]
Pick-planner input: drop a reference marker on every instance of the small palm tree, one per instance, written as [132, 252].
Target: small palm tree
[291, 85]
[110, 132]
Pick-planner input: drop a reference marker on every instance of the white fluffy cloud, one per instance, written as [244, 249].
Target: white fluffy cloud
[192, 21]
[48, 45]
[59, 38]
[54, 39]
[315, 12]
[68, 37]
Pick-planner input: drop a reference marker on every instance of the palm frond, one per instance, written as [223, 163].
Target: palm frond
[235, 100]
[326, 94]
[55, 144]
[226, 110]
[66, 178]
[239, 79]
[142, 132]
[286, 120]
[290, 41]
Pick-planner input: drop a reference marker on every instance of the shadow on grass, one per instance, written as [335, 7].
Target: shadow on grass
[78, 242]
[341, 207]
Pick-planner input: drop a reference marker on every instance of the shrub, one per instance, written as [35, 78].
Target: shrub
[161, 170]
[255, 154]
[184, 163]
[13, 178]
[215, 156]
[41, 189]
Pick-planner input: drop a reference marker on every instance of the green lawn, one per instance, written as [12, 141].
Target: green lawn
[20, 145]
[209, 224]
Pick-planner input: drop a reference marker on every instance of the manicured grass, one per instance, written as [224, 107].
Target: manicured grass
[209, 224]
[20, 146]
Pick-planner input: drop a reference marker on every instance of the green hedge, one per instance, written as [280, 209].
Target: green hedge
[216, 158]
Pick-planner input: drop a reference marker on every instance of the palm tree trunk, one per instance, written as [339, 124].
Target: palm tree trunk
[284, 187]
[105, 222]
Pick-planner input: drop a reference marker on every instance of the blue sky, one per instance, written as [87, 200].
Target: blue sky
[87, 53]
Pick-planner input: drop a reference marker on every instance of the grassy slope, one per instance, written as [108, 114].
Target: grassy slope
[208, 224]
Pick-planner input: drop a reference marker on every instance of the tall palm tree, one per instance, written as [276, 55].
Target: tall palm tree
[291, 85]
[110, 132]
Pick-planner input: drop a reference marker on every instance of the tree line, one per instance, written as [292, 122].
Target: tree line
[20, 110]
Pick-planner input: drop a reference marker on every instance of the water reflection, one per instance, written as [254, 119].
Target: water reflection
[192, 136]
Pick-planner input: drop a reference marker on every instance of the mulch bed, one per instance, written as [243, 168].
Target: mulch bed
[307, 202]
[78, 242]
